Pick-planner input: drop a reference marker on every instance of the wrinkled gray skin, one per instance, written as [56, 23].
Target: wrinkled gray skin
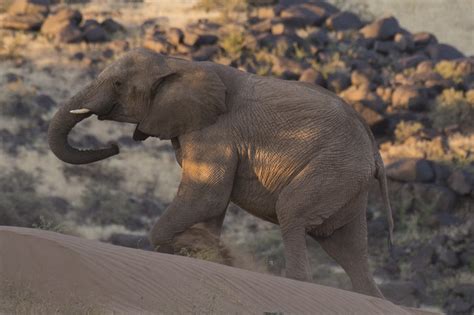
[290, 153]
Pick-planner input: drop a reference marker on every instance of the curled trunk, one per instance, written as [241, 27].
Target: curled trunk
[59, 128]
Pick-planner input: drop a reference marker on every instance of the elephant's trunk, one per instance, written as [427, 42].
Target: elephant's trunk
[59, 128]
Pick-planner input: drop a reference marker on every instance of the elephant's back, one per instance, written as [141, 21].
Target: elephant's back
[285, 124]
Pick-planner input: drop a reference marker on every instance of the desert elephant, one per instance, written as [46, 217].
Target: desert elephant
[288, 152]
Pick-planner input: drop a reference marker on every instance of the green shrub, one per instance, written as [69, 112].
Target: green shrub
[453, 107]
[103, 206]
[20, 205]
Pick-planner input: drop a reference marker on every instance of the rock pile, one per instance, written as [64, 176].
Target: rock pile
[62, 23]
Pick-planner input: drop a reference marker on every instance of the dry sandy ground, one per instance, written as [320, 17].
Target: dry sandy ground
[44, 271]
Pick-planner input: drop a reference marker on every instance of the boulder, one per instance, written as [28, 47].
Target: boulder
[423, 258]
[410, 61]
[312, 76]
[448, 257]
[22, 22]
[384, 47]
[338, 81]
[264, 26]
[408, 97]
[28, 7]
[63, 25]
[111, 26]
[411, 170]
[403, 42]
[400, 292]
[196, 40]
[443, 52]
[303, 15]
[363, 94]
[423, 39]
[343, 21]
[93, 32]
[318, 37]
[433, 198]
[175, 36]
[461, 182]
[381, 29]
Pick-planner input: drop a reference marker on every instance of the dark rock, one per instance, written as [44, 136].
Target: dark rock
[319, 38]
[411, 170]
[408, 97]
[423, 39]
[303, 15]
[196, 40]
[130, 240]
[94, 32]
[378, 228]
[69, 34]
[382, 29]
[312, 76]
[111, 26]
[458, 305]
[461, 182]
[400, 292]
[12, 77]
[443, 52]
[384, 47]
[45, 101]
[433, 198]
[205, 53]
[175, 36]
[404, 42]
[108, 53]
[448, 258]
[344, 21]
[423, 258]
[338, 81]
[442, 172]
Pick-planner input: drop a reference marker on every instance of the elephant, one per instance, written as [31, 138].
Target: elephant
[288, 152]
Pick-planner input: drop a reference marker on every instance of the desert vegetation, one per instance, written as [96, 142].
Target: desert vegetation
[416, 94]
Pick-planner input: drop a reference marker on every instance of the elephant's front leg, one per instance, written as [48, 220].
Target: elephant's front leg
[203, 194]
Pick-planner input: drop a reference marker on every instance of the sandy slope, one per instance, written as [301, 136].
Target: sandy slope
[65, 270]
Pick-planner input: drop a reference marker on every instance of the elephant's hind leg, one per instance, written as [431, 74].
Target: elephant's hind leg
[348, 247]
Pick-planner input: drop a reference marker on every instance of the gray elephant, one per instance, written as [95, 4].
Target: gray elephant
[291, 153]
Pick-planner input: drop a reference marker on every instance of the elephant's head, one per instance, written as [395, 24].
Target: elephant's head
[164, 96]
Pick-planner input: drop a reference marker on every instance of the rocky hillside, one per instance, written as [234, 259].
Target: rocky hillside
[416, 94]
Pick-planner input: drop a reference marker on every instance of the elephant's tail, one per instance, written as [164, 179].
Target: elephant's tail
[382, 179]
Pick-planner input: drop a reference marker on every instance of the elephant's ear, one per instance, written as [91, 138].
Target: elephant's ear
[190, 99]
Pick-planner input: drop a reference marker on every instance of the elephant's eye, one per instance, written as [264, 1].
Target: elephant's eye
[117, 84]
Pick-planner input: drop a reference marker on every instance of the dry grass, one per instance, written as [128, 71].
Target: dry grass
[407, 129]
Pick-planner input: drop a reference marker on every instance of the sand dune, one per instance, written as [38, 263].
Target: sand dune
[65, 271]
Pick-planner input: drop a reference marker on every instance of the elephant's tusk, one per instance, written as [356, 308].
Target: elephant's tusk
[80, 111]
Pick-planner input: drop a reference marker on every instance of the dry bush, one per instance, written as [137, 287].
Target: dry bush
[233, 42]
[228, 8]
[450, 70]
[407, 129]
